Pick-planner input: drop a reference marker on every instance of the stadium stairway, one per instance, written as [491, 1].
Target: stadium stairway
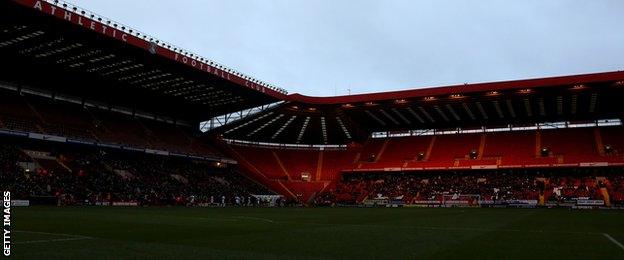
[319, 166]
[605, 196]
[253, 173]
[281, 165]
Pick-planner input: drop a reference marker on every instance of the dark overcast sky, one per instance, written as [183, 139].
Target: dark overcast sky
[324, 47]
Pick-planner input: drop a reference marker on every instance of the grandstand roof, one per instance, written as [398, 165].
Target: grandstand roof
[421, 92]
[342, 119]
[56, 47]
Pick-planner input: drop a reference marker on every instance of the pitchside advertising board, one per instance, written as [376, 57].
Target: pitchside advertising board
[149, 46]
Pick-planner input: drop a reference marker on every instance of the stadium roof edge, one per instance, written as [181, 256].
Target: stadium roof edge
[462, 89]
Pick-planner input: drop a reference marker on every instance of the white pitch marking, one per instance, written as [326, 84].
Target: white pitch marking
[617, 243]
[70, 237]
[254, 218]
[52, 240]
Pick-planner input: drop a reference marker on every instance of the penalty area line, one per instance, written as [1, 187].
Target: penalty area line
[617, 243]
[52, 240]
[69, 237]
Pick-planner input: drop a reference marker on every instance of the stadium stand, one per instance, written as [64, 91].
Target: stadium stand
[524, 185]
[93, 108]
[82, 175]
[38, 115]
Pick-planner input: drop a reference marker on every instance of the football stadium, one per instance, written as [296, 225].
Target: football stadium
[117, 145]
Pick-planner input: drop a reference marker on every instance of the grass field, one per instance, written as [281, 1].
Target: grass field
[315, 233]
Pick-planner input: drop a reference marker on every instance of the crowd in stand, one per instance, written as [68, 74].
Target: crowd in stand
[559, 185]
[93, 176]
[85, 123]
[88, 175]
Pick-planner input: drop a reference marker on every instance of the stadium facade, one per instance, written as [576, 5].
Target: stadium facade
[72, 78]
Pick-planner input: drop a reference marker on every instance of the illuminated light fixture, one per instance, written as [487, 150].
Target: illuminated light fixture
[473, 154]
[311, 109]
[429, 98]
[347, 106]
[294, 107]
[493, 93]
[369, 103]
[619, 83]
[525, 91]
[420, 156]
[456, 96]
[608, 148]
[400, 101]
[578, 87]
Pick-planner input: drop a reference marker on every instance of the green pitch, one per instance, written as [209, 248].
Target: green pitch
[315, 233]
